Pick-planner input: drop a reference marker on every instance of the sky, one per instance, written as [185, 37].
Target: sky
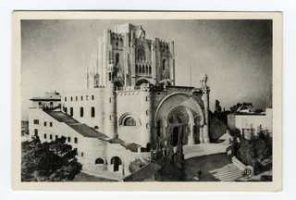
[235, 54]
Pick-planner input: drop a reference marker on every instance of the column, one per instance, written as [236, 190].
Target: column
[191, 134]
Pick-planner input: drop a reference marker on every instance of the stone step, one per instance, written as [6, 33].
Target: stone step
[227, 173]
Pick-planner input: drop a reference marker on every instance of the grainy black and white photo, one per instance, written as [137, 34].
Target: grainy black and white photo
[146, 100]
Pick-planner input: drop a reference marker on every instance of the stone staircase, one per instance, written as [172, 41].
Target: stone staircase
[204, 149]
[227, 173]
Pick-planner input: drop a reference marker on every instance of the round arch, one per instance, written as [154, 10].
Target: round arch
[99, 161]
[144, 80]
[126, 116]
[191, 103]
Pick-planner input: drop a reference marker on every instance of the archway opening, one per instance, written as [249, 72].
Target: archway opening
[175, 136]
[178, 111]
[116, 162]
[178, 119]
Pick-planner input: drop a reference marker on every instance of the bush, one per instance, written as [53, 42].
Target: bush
[136, 165]
[54, 161]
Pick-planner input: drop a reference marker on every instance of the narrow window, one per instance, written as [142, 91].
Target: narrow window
[146, 69]
[35, 132]
[117, 57]
[149, 69]
[92, 111]
[71, 111]
[75, 140]
[65, 98]
[147, 112]
[69, 139]
[50, 124]
[92, 97]
[44, 135]
[50, 136]
[71, 98]
[36, 121]
[76, 98]
[110, 100]
[65, 109]
[81, 111]
[56, 137]
[110, 57]
[109, 76]
[45, 123]
[82, 154]
[163, 64]
[136, 68]
[81, 98]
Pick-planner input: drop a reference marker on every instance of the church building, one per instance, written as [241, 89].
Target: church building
[130, 108]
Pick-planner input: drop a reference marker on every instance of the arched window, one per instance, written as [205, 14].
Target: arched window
[143, 69]
[129, 121]
[116, 162]
[81, 111]
[99, 161]
[149, 69]
[146, 69]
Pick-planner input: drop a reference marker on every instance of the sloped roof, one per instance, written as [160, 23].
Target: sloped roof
[81, 128]
[48, 96]
[130, 146]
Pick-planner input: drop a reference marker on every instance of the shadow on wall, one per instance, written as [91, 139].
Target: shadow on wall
[217, 128]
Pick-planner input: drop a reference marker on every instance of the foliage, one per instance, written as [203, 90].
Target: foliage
[136, 165]
[217, 127]
[253, 151]
[241, 106]
[218, 108]
[53, 161]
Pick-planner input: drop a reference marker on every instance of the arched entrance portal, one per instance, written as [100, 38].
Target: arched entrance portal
[116, 162]
[179, 119]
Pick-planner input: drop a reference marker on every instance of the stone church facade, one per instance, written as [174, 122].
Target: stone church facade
[131, 106]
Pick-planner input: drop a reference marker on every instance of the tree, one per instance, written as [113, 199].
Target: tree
[218, 108]
[136, 165]
[217, 128]
[53, 161]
